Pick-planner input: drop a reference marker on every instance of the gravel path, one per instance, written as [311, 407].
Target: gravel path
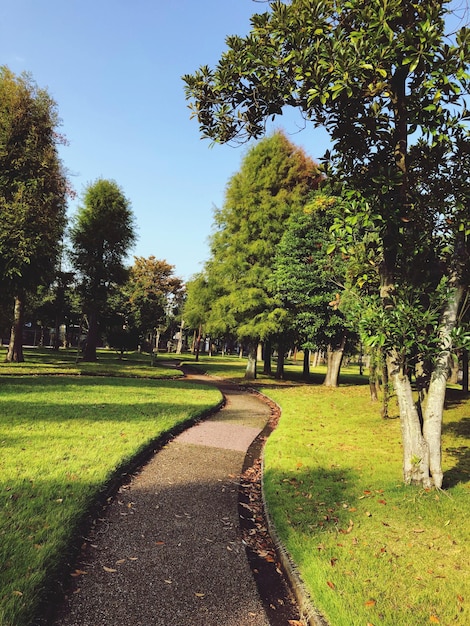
[168, 550]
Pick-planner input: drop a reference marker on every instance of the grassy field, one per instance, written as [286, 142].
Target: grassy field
[370, 550]
[62, 439]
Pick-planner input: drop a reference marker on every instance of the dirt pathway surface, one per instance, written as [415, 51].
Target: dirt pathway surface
[168, 550]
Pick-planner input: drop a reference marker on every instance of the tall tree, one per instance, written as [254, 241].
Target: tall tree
[33, 192]
[273, 182]
[388, 82]
[197, 308]
[153, 293]
[102, 235]
[307, 280]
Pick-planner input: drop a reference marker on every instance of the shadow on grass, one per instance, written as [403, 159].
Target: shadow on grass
[321, 495]
[460, 473]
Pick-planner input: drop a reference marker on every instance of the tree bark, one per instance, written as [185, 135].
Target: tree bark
[334, 360]
[15, 348]
[415, 448]
[433, 413]
[267, 349]
[465, 370]
[89, 353]
[306, 367]
[250, 372]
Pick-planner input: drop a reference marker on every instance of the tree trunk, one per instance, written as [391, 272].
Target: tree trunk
[179, 347]
[306, 367]
[415, 448]
[267, 349]
[433, 413]
[198, 342]
[89, 353]
[15, 348]
[335, 358]
[250, 373]
[465, 370]
[374, 375]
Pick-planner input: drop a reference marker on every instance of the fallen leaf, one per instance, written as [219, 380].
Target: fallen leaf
[168, 582]
[370, 603]
[17, 593]
[460, 598]
[120, 561]
[369, 514]
[418, 530]
[433, 619]
[382, 501]
[109, 569]
[330, 584]
[78, 572]
[295, 622]
[199, 595]
[159, 543]
[133, 558]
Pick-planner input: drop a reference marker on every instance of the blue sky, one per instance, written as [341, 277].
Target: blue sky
[114, 68]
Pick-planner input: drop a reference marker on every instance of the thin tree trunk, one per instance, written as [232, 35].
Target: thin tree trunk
[465, 370]
[280, 363]
[89, 353]
[179, 347]
[267, 350]
[385, 386]
[250, 372]
[306, 367]
[433, 413]
[15, 348]
[335, 358]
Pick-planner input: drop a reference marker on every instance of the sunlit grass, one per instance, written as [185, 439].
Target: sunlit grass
[68, 361]
[61, 440]
[369, 549]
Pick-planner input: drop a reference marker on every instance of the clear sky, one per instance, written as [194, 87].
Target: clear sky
[114, 68]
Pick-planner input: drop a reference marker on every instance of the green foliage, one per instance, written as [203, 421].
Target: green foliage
[389, 86]
[152, 292]
[306, 278]
[101, 235]
[33, 185]
[274, 181]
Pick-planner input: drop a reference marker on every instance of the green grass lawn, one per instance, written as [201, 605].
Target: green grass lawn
[369, 549]
[62, 439]
[47, 361]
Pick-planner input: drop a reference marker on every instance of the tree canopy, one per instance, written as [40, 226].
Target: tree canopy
[389, 82]
[101, 235]
[274, 181]
[33, 193]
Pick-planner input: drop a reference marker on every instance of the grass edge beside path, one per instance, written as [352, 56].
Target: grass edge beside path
[65, 442]
[369, 549]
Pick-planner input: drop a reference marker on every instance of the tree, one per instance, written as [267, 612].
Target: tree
[307, 280]
[273, 182]
[33, 192]
[101, 235]
[153, 293]
[197, 308]
[388, 83]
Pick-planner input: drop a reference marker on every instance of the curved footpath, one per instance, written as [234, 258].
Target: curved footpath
[169, 550]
